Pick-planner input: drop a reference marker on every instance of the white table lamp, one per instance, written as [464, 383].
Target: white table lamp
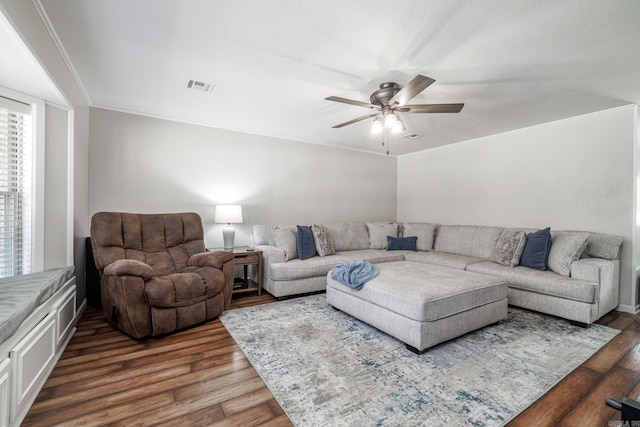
[228, 214]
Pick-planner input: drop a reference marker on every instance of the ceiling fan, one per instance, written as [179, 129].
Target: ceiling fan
[392, 99]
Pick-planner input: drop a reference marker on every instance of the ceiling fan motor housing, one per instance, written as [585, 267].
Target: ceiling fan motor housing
[385, 93]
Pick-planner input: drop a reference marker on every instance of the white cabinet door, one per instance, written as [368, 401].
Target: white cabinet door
[29, 359]
[65, 314]
[4, 392]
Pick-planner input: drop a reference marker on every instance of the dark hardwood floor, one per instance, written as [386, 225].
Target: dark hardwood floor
[199, 377]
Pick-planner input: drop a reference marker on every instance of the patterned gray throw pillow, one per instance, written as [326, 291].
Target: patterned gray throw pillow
[509, 247]
[324, 244]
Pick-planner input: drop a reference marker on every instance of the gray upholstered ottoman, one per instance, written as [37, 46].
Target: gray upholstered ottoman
[423, 305]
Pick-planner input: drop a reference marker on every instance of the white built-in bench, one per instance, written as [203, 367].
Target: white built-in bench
[37, 318]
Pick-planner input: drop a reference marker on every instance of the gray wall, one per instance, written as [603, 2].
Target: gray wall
[143, 164]
[571, 174]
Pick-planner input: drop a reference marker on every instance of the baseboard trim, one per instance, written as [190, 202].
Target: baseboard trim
[80, 310]
[628, 308]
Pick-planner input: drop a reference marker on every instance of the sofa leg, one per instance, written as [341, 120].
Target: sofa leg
[415, 350]
[579, 324]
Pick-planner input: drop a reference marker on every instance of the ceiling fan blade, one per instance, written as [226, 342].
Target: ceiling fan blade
[352, 102]
[431, 108]
[354, 120]
[411, 89]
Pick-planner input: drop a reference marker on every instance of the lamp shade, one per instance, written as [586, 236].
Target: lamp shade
[228, 214]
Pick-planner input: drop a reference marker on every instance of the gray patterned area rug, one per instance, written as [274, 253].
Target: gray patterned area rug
[327, 368]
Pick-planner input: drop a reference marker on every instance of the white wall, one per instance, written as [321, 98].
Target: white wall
[636, 206]
[56, 186]
[142, 164]
[571, 174]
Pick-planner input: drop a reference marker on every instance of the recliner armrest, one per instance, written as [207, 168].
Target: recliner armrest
[210, 259]
[129, 267]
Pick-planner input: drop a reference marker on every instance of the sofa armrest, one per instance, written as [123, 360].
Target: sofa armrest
[270, 255]
[604, 272]
[215, 259]
[129, 267]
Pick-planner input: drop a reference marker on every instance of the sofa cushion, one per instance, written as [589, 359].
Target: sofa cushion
[323, 241]
[467, 240]
[543, 282]
[536, 250]
[603, 246]
[378, 232]
[303, 269]
[566, 248]
[262, 234]
[183, 289]
[285, 238]
[509, 247]
[297, 269]
[306, 246]
[374, 255]
[348, 236]
[401, 243]
[425, 233]
[459, 262]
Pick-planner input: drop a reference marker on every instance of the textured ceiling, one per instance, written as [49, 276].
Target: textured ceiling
[513, 63]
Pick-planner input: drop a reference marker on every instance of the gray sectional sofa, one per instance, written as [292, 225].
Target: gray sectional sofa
[581, 282]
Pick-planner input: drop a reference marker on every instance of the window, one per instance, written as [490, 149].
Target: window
[15, 188]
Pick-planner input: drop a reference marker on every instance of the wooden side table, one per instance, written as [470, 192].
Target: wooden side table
[246, 256]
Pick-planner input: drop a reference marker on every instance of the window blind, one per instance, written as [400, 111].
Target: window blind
[15, 187]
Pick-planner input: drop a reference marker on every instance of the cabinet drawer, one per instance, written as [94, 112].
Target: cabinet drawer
[245, 258]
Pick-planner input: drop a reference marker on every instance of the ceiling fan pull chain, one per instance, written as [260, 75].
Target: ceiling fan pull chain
[385, 136]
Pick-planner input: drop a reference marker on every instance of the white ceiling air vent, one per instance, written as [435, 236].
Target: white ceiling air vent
[200, 86]
[412, 136]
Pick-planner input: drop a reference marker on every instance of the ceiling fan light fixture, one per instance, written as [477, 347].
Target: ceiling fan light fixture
[390, 121]
[397, 126]
[377, 126]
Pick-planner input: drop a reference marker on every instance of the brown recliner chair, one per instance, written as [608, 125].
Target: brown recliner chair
[156, 276]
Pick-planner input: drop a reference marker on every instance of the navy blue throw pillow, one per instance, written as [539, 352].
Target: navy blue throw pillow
[304, 241]
[536, 250]
[401, 243]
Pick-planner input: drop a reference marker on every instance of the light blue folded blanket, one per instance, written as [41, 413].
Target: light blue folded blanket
[354, 273]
